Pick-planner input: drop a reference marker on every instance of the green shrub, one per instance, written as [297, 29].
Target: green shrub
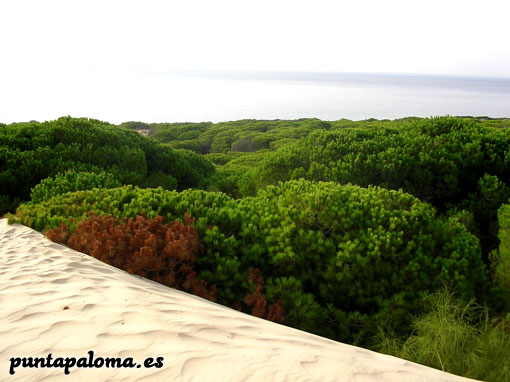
[232, 178]
[501, 258]
[484, 203]
[31, 152]
[71, 181]
[370, 251]
[160, 179]
[6, 204]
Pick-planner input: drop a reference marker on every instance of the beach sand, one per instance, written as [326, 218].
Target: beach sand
[59, 301]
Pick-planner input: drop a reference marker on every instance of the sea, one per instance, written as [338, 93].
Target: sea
[332, 96]
[160, 96]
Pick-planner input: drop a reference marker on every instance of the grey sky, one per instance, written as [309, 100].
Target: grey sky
[111, 59]
[430, 37]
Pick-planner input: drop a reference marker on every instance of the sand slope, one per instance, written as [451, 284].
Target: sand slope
[56, 300]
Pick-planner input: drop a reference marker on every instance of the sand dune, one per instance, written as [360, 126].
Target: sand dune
[59, 301]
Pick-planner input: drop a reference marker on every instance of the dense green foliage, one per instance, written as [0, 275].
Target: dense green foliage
[448, 162]
[438, 160]
[31, 152]
[339, 257]
[72, 181]
[501, 257]
[239, 136]
[236, 176]
[504, 233]
[453, 163]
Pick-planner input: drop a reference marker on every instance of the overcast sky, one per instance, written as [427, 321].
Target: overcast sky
[116, 59]
[459, 37]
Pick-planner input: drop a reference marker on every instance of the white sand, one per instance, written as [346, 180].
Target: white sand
[119, 315]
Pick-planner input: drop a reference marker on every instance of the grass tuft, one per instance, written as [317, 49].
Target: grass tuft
[457, 337]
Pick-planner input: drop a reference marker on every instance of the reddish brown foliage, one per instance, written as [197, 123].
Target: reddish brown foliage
[275, 313]
[165, 253]
[258, 303]
[58, 235]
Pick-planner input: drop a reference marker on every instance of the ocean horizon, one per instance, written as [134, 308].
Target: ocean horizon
[215, 96]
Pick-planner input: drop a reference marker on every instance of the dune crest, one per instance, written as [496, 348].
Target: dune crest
[59, 301]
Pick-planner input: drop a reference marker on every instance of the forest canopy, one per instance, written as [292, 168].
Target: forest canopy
[31, 152]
